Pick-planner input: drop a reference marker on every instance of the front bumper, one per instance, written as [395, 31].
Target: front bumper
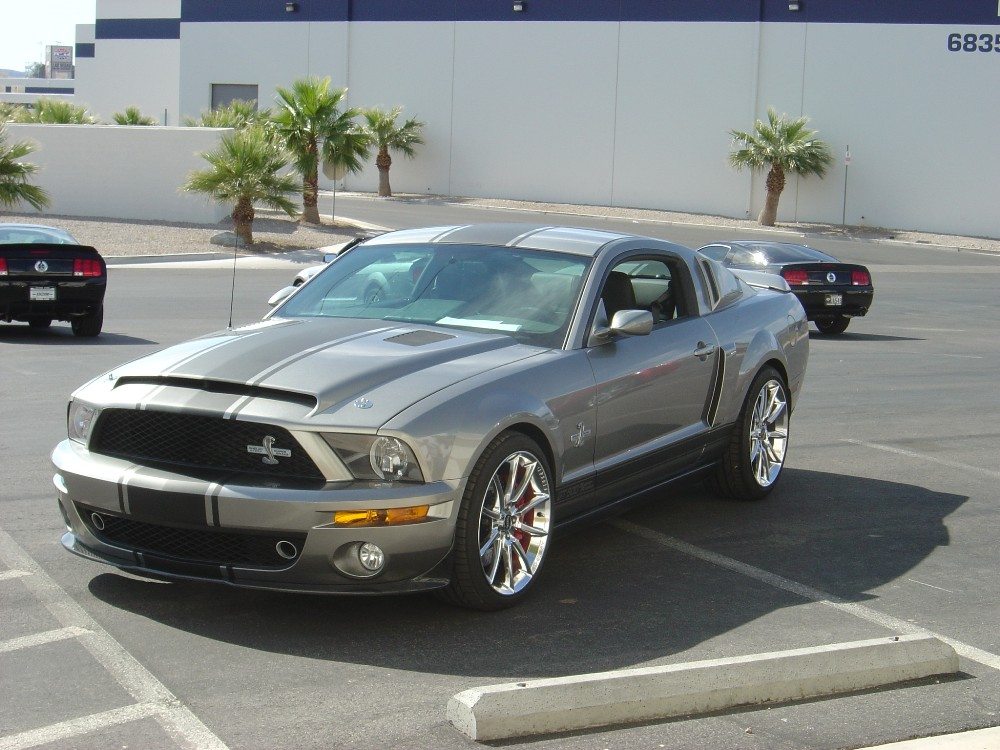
[854, 302]
[155, 522]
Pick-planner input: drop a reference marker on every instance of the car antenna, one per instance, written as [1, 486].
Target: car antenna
[232, 291]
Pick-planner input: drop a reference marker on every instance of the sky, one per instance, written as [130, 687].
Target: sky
[29, 25]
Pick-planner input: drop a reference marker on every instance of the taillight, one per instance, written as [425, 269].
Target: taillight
[3, 266]
[795, 277]
[86, 267]
[860, 278]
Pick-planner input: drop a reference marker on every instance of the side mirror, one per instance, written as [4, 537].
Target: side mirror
[329, 257]
[281, 295]
[632, 323]
[626, 323]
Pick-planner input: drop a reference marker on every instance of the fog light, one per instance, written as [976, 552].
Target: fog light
[371, 557]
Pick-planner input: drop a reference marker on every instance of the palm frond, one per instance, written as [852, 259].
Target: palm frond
[14, 174]
[781, 142]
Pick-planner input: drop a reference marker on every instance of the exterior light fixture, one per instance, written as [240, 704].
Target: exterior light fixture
[793, 5]
[291, 7]
[518, 6]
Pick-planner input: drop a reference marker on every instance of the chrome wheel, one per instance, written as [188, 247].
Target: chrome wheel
[514, 523]
[768, 433]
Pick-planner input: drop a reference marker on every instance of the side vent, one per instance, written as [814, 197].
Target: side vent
[712, 410]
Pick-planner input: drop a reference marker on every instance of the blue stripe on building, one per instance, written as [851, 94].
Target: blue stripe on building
[137, 28]
[84, 49]
[968, 12]
[45, 90]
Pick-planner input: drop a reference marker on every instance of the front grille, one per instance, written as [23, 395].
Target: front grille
[189, 441]
[193, 545]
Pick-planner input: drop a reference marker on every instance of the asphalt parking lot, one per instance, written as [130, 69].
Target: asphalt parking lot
[886, 521]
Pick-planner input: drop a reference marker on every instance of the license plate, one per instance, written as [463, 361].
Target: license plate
[834, 299]
[42, 293]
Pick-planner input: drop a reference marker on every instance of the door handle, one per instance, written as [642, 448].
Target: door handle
[704, 350]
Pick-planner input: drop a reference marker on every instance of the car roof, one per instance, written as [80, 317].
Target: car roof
[577, 241]
[765, 245]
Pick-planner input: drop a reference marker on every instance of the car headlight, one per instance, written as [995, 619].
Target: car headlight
[80, 420]
[376, 457]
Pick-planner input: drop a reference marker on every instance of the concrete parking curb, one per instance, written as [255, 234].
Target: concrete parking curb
[626, 696]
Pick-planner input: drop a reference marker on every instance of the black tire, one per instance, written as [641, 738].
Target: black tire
[40, 322]
[89, 325]
[470, 584]
[833, 326]
[735, 476]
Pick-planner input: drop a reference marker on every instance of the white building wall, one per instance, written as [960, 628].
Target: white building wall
[534, 110]
[122, 172]
[421, 57]
[268, 55]
[132, 72]
[633, 114]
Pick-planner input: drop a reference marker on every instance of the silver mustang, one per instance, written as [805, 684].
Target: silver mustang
[431, 409]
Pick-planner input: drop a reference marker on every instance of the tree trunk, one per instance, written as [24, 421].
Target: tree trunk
[310, 198]
[243, 221]
[775, 184]
[383, 161]
[310, 191]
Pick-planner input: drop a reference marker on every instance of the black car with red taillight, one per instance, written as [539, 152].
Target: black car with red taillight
[831, 292]
[45, 275]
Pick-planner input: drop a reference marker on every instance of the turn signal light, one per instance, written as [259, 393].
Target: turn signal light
[3, 266]
[860, 278]
[86, 267]
[795, 277]
[386, 517]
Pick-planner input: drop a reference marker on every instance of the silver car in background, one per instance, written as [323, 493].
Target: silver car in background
[430, 409]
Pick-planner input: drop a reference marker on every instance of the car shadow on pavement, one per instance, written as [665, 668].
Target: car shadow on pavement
[62, 335]
[851, 336]
[609, 599]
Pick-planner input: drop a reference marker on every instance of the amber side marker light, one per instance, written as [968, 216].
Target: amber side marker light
[387, 517]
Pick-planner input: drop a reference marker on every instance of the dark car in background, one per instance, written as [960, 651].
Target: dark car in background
[830, 291]
[46, 275]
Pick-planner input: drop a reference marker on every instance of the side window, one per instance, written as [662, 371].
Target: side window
[645, 284]
[715, 252]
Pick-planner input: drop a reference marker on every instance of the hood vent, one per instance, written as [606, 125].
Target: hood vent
[221, 386]
[420, 338]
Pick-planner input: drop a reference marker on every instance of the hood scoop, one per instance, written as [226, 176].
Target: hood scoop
[419, 338]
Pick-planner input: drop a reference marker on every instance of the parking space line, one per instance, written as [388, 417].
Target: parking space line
[186, 729]
[8, 575]
[75, 727]
[40, 639]
[924, 457]
[901, 627]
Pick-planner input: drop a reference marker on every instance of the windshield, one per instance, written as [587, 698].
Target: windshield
[526, 294]
[11, 235]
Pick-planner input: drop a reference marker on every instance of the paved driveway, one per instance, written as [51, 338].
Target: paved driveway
[887, 521]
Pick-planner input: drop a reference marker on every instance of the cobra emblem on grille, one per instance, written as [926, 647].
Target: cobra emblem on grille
[268, 451]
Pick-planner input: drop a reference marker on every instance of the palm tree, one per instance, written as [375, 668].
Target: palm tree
[55, 112]
[244, 170]
[388, 137]
[14, 185]
[784, 145]
[312, 125]
[238, 114]
[132, 116]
